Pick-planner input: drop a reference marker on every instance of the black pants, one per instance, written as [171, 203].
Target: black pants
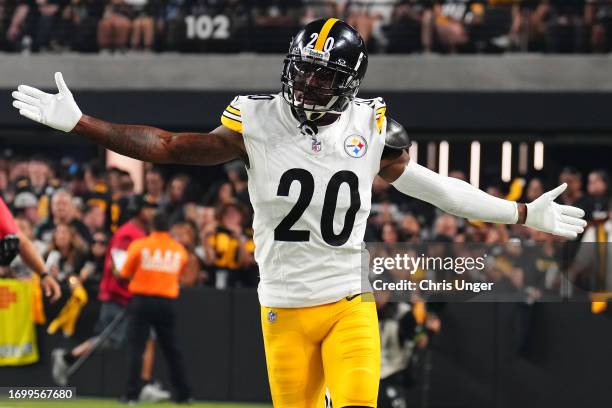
[148, 312]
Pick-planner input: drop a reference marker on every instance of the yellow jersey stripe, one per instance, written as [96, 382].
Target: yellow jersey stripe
[380, 118]
[232, 116]
[232, 124]
[233, 110]
[324, 33]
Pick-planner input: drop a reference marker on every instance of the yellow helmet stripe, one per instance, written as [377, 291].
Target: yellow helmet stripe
[324, 33]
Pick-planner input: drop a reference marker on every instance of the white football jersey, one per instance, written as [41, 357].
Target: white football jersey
[311, 197]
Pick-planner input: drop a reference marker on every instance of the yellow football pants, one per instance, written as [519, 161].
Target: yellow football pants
[335, 346]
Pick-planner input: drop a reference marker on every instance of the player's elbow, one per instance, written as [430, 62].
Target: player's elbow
[170, 151]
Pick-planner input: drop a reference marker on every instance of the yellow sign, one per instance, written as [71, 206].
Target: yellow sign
[17, 331]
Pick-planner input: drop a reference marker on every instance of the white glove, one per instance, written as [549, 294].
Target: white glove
[545, 215]
[58, 111]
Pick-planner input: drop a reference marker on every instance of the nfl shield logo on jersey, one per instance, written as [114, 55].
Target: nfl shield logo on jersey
[271, 316]
[355, 146]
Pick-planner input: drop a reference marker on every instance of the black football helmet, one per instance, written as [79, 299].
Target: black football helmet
[323, 70]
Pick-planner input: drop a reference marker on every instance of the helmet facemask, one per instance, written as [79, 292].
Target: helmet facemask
[316, 87]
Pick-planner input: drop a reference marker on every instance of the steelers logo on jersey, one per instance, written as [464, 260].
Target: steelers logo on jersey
[355, 146]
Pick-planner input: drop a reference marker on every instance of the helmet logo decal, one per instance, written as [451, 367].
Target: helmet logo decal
[315, 54]
[355, 146]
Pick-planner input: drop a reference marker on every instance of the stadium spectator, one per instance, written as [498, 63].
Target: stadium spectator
[574, 194]
[97, 193]
[66, 253]
[91, 273]
[535, 189]
[153, 266]
[501, 26]
[390, 233]
[39, 181]
[273, 21]
[370, 19]
[599, 18]
[79, 25]
[143, 23]
[120, 199]
[114, 27]
[177, 195]
[592, 266]
[26, 206]
[63, 211]
[598, 188]
[231, 249]
[34, 22]
[113, 175]
[314, 9]
[155, 186]
[186, 234]
[410, 229]
[237, 175]
[445, 228]
[94, 218]
[565, 25]
[408, 32]
[453, 20]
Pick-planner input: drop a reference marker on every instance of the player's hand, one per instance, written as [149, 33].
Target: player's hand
[58, 111]
[51, 288]
[543, 214]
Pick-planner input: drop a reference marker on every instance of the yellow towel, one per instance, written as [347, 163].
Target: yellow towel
[68, 316]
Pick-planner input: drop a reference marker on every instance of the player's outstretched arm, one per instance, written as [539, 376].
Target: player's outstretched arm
[146, 143]
[464, 200]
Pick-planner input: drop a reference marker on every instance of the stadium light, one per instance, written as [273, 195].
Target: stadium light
[475, 164]
[523, 158]
[432, 149]
[443, 160]
[506, 171]
[538, 155]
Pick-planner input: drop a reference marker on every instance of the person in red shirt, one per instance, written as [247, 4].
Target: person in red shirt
[115, 296]
[153, 266]
[13, 243]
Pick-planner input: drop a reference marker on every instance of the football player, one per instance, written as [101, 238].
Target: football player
[312, 152]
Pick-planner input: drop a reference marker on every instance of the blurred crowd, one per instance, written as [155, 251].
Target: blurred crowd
[391, 26]
[71, 211]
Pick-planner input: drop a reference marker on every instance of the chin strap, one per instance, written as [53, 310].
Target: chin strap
[307, 126]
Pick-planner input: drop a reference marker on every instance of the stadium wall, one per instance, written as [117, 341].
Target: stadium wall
[250, 72]
[514, 93]
[479, 359]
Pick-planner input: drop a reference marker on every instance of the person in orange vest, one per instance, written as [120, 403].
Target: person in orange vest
[153, 266]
